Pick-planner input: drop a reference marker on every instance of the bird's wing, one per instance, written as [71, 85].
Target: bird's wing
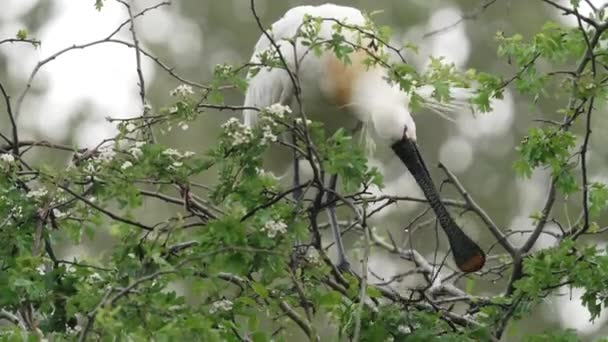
[273, 85]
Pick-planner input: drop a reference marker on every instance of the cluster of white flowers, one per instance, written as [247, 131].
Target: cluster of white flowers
[184, 126]
[126, 165]
[173, 109]
[90, 168]
[38, 193]
[268, 121]
[41, 269]
[135, 151]
[7, 158]
[94, 277]
[70, 268]
[59, 214]
[313, 255]
[106, 154]
[220, 305]
[238, 132]
[130, 127]
[177, 156]
[182, 90]
[273, 228]
[17, 212]
[299, 121]
[268, 136]
[171, 152]
[72, 331]
[404, 329]
[278, 110]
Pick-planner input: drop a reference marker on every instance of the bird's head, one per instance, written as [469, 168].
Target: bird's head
[393, 123]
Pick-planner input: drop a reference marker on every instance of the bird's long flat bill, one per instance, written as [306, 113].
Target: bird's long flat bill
[467, 254]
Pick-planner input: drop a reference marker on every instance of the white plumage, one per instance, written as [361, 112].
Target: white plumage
[350, 95]
[363, 94]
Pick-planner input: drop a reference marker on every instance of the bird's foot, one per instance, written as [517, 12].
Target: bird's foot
[343, 265]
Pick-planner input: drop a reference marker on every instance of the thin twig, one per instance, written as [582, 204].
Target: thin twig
[11, 116]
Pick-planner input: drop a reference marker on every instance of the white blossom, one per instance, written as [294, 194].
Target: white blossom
[95, 277]
[171, 152]
[182, 90]
[313, 255]
[268, 136]
[38, 193]
[173, 110]
[16, 212]
[231, 122]
[58, 213]
[136, 152]
[241, 138]
[139, 144]
[272, 228]
[69, 268]
[177, 164]
[188, 154]
[299, 121]
[90, 168]
[7, 158]
[404, 329]
[106, 154]
[184, 127]
[278, 110]
[220, 305]
[72, 331]
[238, 132]
[41, 269]
[126, 165]
[130, 127]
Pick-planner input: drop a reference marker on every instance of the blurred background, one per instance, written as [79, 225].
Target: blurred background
[72, 95]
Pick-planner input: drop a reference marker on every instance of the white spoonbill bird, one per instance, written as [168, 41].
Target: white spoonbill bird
[362, 92]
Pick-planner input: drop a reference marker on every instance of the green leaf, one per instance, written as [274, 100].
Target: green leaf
[260, 289]
[373, 292]
[22, 34]
[259, 336]
[598, 198]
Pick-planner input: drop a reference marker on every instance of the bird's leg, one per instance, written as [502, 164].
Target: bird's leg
[297, 194]
[343, 263]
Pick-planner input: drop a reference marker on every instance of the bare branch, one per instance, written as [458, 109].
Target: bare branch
[469, 16]
[11, 116]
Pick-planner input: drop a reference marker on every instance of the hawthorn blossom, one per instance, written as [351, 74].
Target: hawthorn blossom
[278, 110]
[182, 90]
[126, 165]
[38, 193]
[221, 305]
[273, 228]
[237, 132]
[7, 158]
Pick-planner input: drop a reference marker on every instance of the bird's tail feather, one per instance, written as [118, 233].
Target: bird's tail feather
[459, 100]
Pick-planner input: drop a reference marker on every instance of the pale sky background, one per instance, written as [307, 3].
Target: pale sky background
[101, 81]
